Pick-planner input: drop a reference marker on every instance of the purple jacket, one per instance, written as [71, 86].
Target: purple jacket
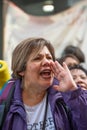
[76, 101]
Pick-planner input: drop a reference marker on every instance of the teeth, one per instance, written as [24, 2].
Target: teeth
[48, 72]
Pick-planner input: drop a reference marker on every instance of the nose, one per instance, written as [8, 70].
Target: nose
[45, 62]
[78, 80]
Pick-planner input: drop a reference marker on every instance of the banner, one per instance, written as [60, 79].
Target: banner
[67, 27]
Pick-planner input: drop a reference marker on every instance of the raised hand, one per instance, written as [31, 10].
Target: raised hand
[62, 73]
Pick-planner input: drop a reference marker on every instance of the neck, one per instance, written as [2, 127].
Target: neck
[32, 98]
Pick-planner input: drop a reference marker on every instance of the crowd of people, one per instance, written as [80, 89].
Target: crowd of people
[74, 57]
[47, 95]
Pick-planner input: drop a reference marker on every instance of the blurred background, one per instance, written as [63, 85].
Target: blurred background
[63, 22]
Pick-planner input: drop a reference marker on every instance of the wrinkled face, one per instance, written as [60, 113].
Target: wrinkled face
[71, 61]
[79, 77]
[38, 73]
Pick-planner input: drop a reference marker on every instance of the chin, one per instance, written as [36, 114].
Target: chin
[49, 83]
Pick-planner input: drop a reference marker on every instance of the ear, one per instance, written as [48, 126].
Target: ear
[21, 73]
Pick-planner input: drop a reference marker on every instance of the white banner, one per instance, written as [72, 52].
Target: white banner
[67, 27]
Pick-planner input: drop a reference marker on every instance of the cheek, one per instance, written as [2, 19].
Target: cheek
[76, 80]
[85, 81]
[30, 71]
[33, 67]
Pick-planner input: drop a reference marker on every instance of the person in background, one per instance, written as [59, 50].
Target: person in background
[69, 59]
[36, 103]
[71, 55]
[79, 74]
[74, 50]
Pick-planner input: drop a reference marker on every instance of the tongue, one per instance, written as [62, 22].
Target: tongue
[45, 75]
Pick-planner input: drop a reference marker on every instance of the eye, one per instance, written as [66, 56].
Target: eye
[49, 58]
[83, 77]
[74, 78]
[37, 58]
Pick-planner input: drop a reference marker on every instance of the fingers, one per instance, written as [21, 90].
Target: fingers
[66, 69]
[60, 68]
[56, 87]
[65, 66]
[59, 88]
[56, 67]
[64, 77]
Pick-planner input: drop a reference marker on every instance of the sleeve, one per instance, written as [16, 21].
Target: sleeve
[77, 102]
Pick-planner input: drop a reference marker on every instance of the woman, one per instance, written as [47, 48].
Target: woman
[69, 59]
[36, 103]
[74, 50]
[79, 74]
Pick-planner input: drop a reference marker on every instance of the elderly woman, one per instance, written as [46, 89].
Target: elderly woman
[39, 99]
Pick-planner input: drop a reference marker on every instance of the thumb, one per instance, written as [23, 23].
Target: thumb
[56, 87]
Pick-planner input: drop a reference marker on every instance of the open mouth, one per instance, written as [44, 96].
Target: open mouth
[83, 86]
[46, 73]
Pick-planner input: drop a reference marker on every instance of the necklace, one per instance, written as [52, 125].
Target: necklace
[45, 115]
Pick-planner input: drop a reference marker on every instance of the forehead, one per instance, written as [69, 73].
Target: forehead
[77, 72]
[71, 61]
[45, 50]
[42, 50]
